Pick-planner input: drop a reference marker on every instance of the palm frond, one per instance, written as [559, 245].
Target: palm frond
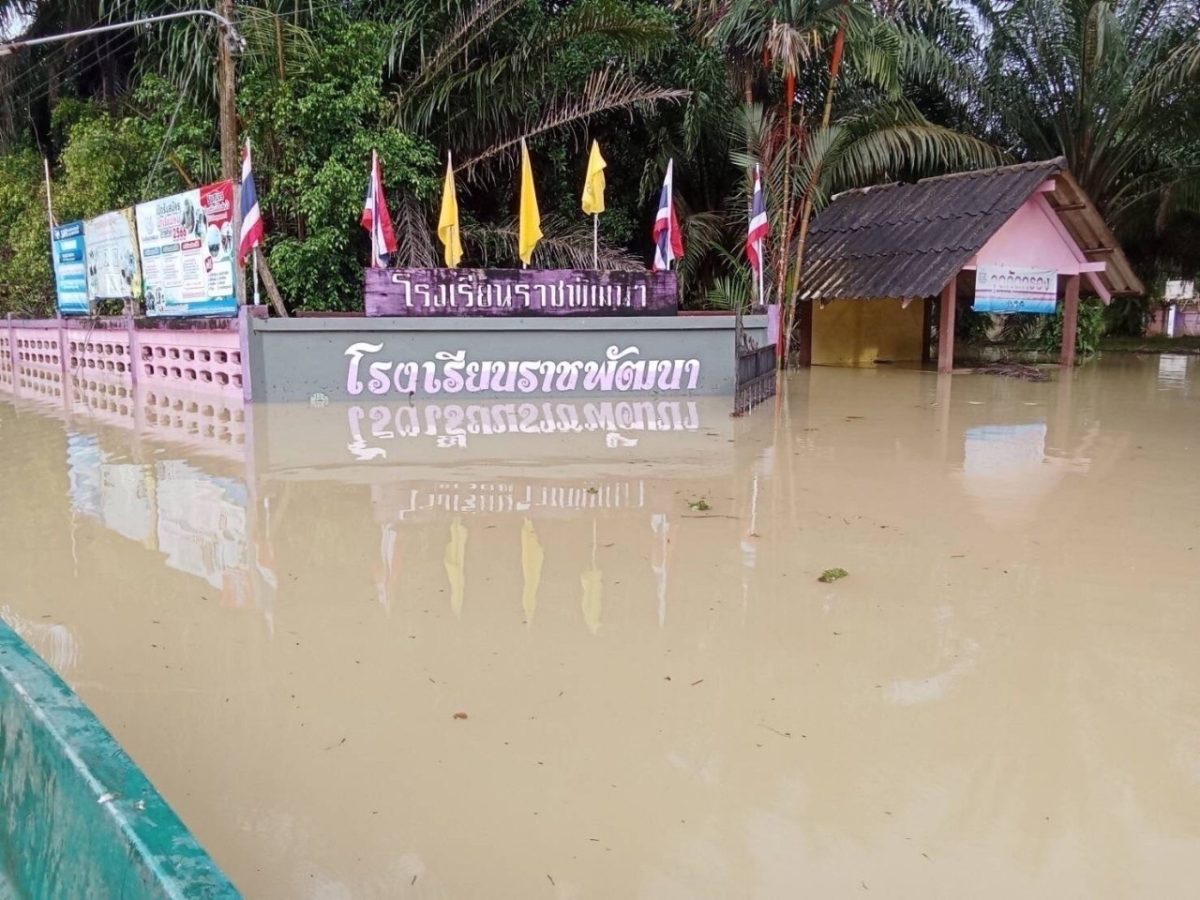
[605, 91]
[566, 245]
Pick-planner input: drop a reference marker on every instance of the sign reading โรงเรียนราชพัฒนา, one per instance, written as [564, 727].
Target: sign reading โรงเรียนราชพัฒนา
[519, 292]
[1014, 289]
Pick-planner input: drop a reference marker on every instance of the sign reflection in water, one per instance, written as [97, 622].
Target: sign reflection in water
[197, 520]
[453, 425]
[213, 521]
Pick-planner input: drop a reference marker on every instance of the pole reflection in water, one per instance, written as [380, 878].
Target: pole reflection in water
[281, 611]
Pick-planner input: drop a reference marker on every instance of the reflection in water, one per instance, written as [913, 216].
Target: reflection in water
[455, 560]
[999, 701]
[1172, 371]
[532, 557]
[592, 582]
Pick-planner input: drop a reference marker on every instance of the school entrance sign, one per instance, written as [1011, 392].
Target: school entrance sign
[519, 292]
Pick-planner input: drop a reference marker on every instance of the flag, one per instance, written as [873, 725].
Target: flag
[668, 239]
[447, 229]
[252, 224]
[593, 185]
[529, 230]
[376, 219]
[759, 226]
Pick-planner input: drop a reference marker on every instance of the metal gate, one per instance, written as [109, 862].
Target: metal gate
[756, 375]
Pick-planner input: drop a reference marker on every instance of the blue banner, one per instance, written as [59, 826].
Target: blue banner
[1013, 305]
[70, 269]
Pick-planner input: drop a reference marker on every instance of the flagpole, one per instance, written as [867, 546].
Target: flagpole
[257, 298]
[595, 241]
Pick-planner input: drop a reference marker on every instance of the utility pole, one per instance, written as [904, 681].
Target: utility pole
[229, 141]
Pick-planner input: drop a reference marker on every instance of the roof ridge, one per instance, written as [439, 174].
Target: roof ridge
[1059, 162]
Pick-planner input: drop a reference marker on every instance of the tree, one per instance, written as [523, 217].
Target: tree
[1112, 85]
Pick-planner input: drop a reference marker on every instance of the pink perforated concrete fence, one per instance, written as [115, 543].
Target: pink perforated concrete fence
[39, 356]
[200, 405]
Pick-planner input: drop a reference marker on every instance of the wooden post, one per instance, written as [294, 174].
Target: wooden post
[805, 348]
[926, 330]
[946, 326]
[1070, 321]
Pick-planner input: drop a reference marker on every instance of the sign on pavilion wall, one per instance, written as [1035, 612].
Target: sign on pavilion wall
[1015, 289]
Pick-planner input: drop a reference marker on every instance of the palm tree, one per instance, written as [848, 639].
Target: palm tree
[1112, 85]
[842, 122]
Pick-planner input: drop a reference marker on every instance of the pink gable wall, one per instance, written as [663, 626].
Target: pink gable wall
[1034, 237]
[1030, 238]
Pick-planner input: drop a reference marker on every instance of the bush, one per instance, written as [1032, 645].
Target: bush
[1087, 335]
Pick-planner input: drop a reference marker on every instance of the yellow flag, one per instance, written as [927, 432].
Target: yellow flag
[448, 231]
[593, 185]
[529, 230]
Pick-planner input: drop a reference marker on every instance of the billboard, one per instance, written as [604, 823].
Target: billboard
[1013, 289]
[70, 268]
[112, 258]
[187, 245]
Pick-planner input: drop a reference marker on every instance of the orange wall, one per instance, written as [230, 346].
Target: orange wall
[858, 332]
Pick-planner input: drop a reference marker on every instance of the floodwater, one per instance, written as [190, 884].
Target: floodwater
[504, 652]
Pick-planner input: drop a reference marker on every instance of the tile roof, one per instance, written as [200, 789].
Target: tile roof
[906, 241]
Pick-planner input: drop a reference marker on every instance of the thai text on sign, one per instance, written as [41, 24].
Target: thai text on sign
[519, 292]
[1014, 289]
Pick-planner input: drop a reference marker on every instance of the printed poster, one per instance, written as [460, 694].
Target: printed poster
[70, 269]
[1013, 289]
[112, 258]
[187, 252]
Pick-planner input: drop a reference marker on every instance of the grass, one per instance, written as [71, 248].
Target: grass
[1152, 344]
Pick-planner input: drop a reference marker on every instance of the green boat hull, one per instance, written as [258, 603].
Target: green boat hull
[78, 818]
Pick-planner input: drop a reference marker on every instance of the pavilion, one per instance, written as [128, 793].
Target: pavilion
[894, 250]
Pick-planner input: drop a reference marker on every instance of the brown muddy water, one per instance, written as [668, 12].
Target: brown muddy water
[283, 615]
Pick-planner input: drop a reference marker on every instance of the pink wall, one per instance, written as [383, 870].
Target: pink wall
[37, 356]
[1034, 237]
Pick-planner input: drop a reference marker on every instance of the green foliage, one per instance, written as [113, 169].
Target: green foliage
[26, 285]
[925, 86]
[1087, 335]
[315, 130]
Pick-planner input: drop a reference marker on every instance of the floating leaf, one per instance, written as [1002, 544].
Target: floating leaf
[829, 576]
[700, 505]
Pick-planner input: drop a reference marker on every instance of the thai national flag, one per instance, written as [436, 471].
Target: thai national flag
[252, 223]
[759, 226]
[668, 238]
[377, 220]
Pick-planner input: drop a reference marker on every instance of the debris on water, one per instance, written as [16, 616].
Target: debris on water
[829, 576]
[551, 879]
[697, 681]
[700, 505]
[593, 490]
[460, 715]
[1016, 370]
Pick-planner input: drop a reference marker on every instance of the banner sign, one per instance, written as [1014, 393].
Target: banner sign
[1012, 289]
[188, 252]
[519, 292]
[112, 257]
[70, 269]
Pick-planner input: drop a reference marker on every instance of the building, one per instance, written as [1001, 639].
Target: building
[880, 259]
